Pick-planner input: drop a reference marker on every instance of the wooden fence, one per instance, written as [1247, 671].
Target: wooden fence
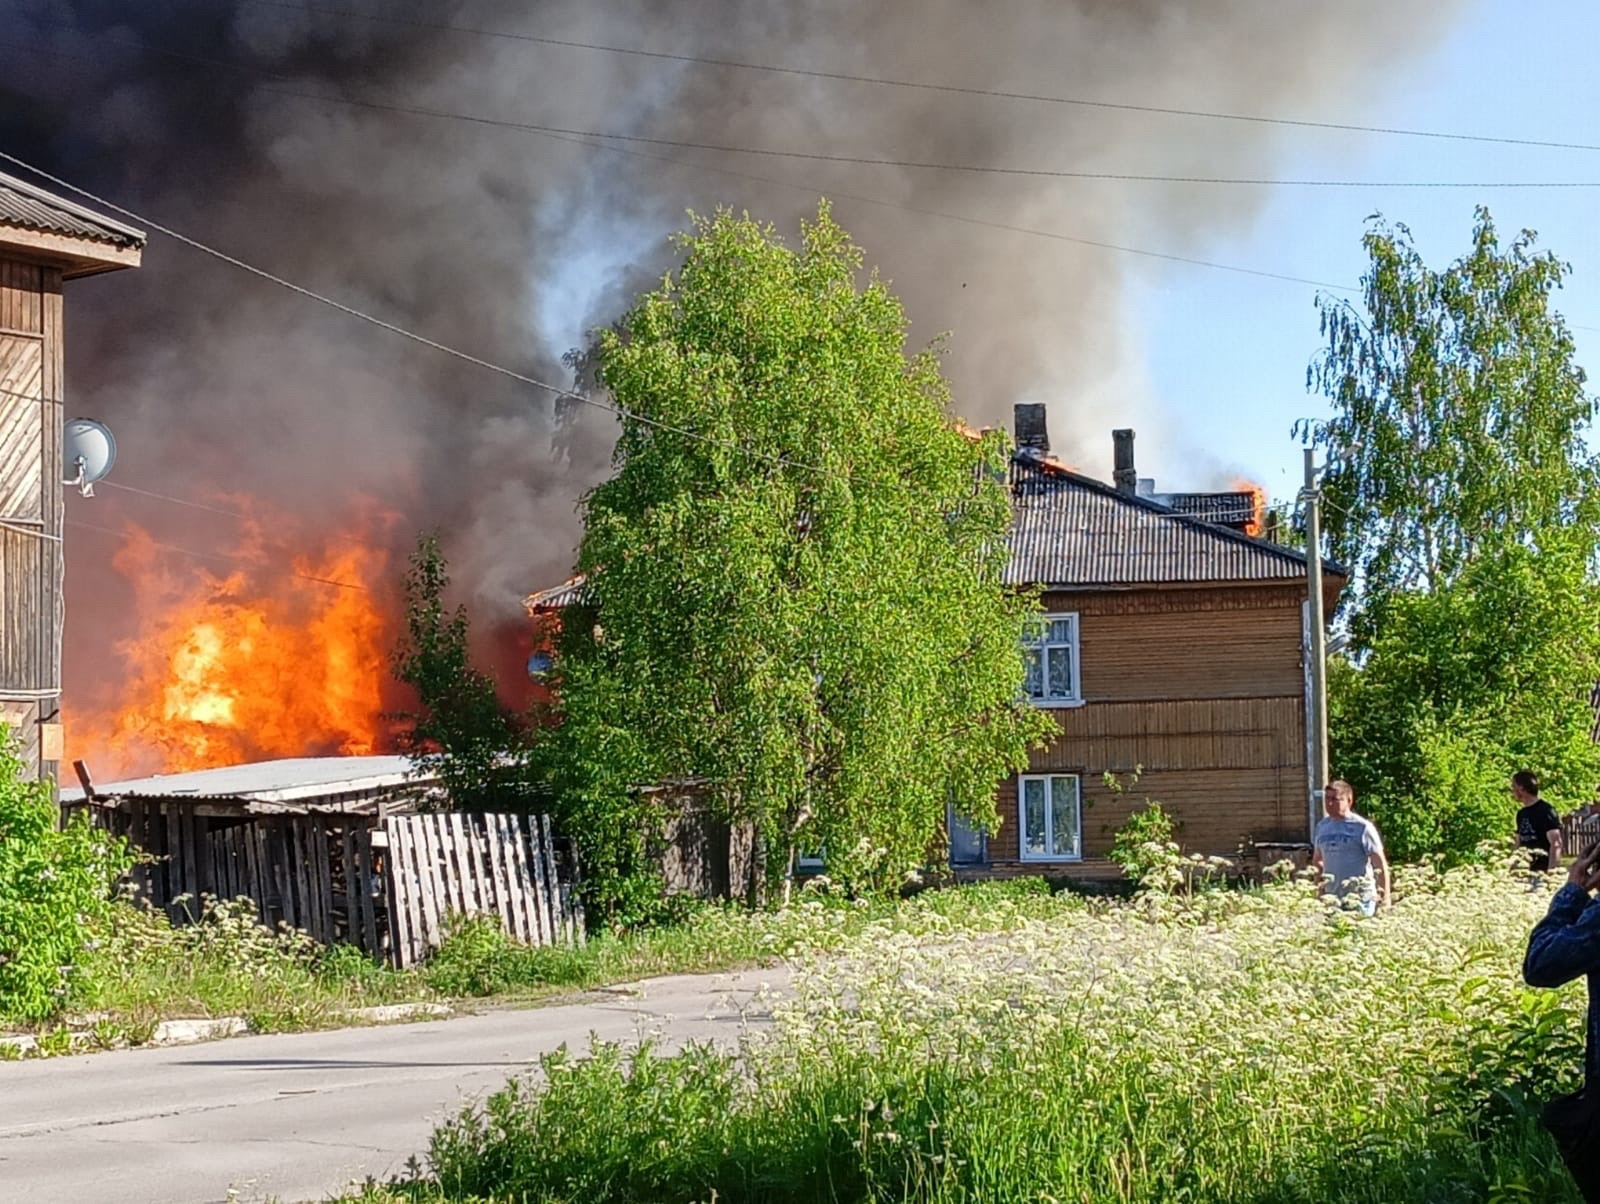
[501, 865]
[387, 885]
[1578, 833]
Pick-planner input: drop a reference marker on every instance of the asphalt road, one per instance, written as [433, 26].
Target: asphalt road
[299, 1116]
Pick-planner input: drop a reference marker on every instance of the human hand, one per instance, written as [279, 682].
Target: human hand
[1585, 870]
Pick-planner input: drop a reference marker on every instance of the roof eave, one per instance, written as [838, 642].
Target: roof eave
[76, 257]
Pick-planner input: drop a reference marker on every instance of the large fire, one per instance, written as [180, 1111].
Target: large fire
[284, 655]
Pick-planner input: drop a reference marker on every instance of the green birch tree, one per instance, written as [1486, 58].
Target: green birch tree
[1462, 495]
[795, 576]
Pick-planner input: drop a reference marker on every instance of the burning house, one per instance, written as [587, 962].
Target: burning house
[1172, 655]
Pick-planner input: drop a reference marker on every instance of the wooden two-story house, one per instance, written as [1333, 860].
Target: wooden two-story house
[1172, 654]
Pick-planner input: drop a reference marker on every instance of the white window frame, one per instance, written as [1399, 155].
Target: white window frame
[1075, 699]
[1049, 816]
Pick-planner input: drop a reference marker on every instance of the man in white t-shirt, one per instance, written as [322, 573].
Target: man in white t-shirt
[1348, 852]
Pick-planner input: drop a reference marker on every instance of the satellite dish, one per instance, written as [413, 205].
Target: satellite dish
[88, 449]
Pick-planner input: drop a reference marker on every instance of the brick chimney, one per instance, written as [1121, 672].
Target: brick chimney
[1123, 475]
[1029, 426]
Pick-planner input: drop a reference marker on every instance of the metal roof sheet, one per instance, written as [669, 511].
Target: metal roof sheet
[565, 594]
[32, 208]
[1071, 530]
[268, 781]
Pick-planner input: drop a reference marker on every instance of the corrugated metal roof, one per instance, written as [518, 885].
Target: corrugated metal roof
[1074, 531]
[565, 594]
[1071, 530]
[268, 781]
[32, 208]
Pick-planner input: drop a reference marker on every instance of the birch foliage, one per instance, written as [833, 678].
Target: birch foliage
[795, 572]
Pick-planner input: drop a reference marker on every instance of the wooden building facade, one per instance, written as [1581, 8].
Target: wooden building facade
[1173, 656]
[45, 240]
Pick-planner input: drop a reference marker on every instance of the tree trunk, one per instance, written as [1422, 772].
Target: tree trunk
[756, 888]
[788, 874]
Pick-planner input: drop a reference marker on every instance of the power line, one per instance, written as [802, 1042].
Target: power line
[733, 173]
[924, 86]
[423, 340]
[911, 164]
[176, 501]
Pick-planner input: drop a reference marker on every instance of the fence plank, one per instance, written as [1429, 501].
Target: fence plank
[433, 898]
[405, 903]
[367, 934]
[352, 905]
[506, 885]
[540, 892]
[427, 860]
[524, 881]
[494, 859]
[451, 864]
[469, 841]
[558, 914]
[186, 852]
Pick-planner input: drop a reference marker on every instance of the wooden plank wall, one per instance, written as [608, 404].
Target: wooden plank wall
[31, 502]
[444, 865]
[1202, 691]
[1186, 644]
[1218, 808]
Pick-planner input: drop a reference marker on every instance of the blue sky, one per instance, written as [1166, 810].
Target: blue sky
[1229, 352]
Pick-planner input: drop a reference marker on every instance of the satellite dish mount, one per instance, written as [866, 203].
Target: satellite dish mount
[88, 450]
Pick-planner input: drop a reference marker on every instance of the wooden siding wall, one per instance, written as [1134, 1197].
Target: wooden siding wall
[1187, 643]
[1201, 690]
[31, 502]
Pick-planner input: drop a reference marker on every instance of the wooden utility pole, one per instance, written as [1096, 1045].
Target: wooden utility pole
[1318, 650]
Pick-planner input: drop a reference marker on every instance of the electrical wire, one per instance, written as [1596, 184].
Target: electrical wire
[176, 501]
[904, 164]
[924, 86]
[402, 332]
[734, 173]
[125, 536]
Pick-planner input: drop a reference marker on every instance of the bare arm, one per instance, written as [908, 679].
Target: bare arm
[1380, 870]
[1554, 837]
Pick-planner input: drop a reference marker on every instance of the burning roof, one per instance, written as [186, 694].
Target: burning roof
[1072, 531]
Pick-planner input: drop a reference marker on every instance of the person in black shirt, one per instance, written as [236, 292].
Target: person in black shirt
[1538, 825]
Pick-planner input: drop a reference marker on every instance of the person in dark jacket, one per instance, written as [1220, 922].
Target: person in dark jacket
[1565, 944]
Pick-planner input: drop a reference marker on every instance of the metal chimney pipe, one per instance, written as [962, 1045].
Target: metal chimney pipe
[1124, 476]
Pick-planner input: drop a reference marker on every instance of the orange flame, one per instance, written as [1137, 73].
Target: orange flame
[1258, 506]
[273, 659]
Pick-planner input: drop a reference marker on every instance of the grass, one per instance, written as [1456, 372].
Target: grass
[1236, 1046]
[145, 970]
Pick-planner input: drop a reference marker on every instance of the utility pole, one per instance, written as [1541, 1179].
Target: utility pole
[1318, 651]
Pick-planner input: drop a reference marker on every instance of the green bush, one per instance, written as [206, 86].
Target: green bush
[54, 887]
[1145, 846]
